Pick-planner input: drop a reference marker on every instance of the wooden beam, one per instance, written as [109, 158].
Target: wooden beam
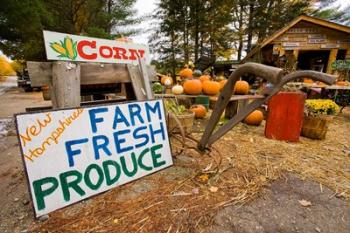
[331, 59]
[40, 73]
[66, 85]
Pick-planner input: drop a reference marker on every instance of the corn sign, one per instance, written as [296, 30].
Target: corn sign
[67, 47]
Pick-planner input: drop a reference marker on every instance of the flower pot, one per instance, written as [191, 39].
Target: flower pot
[186, 120]
[315, 127]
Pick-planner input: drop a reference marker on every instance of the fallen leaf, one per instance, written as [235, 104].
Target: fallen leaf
[213, 189]
[203, 178]
[305, 203]
[262, 178]
[116, 221]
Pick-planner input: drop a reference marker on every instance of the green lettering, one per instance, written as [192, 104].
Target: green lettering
[156, 156]
[87, 178]
[134, 164]
[40, 194]
[139, 160]
[74, 184]
[106, 164]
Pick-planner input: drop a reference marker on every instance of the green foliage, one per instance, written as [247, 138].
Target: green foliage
[172, 106]
[189, 29]
[22, 22]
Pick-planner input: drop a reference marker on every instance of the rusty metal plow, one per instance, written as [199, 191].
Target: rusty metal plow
[273, 75]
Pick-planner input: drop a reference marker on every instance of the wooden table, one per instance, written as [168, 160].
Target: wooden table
[236, 101]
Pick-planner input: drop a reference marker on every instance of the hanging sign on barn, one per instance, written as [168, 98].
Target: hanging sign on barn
[66, 47]
[73, 154]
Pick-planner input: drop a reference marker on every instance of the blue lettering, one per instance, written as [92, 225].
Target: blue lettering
[93, 119]
[118, 141]
[119, 118]
[135, 111]
[154, 109]
[158, 131]
[98, 146]
[139, 135]
[71, 152]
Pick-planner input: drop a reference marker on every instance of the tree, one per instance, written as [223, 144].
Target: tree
[22, 22]
[5, 67]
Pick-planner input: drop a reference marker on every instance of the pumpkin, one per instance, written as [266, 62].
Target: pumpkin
[241, 87]
[192, 87]
[211, 87]
[254, 118]
[204, 78]
[197, 73]
[177, 90]
[341, 83]
[220, 78]
[222, 83]
[308, 80]
[186, 73]
[166, 80]
[199, 110]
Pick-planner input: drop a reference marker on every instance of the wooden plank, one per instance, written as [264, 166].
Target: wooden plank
[331, 59]
[86, 103]
[145, 79]
[66, 85]
[40, 73]
[136, 81]
[212, 98]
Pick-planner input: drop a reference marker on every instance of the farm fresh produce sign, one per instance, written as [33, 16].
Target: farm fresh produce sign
[73, 154]
[60, 46]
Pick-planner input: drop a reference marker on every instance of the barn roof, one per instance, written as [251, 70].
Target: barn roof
[305, 18]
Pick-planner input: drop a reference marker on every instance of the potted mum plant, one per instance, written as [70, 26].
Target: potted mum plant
[318, 113]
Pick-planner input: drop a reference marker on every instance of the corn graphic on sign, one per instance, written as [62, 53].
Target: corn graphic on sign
[66, 47]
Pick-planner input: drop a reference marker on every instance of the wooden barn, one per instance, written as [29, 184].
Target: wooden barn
[307, 43]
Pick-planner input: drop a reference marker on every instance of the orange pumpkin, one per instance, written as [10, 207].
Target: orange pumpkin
[166, 80]
[341, 83]
[254, 118]
[211, 87]
[199, 110]
[192, 87]
[222, 83]
[204, 78]
[308, 80]
[186, 73]
[241, 87]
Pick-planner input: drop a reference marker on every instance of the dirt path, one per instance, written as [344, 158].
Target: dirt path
[278, 210]
[15, 100]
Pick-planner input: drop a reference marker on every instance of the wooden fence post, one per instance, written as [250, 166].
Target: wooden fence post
[65, 85]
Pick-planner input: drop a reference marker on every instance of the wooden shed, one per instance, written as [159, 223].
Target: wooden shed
[307, 43]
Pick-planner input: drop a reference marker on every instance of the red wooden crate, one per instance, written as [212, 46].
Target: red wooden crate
[285, 116]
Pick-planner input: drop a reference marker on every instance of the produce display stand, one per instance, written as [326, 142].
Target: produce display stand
[235, 102]
[340, 94]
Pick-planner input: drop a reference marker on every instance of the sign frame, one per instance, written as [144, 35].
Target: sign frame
[75, 48]
[36, 215]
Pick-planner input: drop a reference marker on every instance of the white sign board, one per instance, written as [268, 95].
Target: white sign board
[72, 154]
[66, 47]
[290, 44]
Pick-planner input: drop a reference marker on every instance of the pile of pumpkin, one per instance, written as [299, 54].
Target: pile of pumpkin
[195, 83]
